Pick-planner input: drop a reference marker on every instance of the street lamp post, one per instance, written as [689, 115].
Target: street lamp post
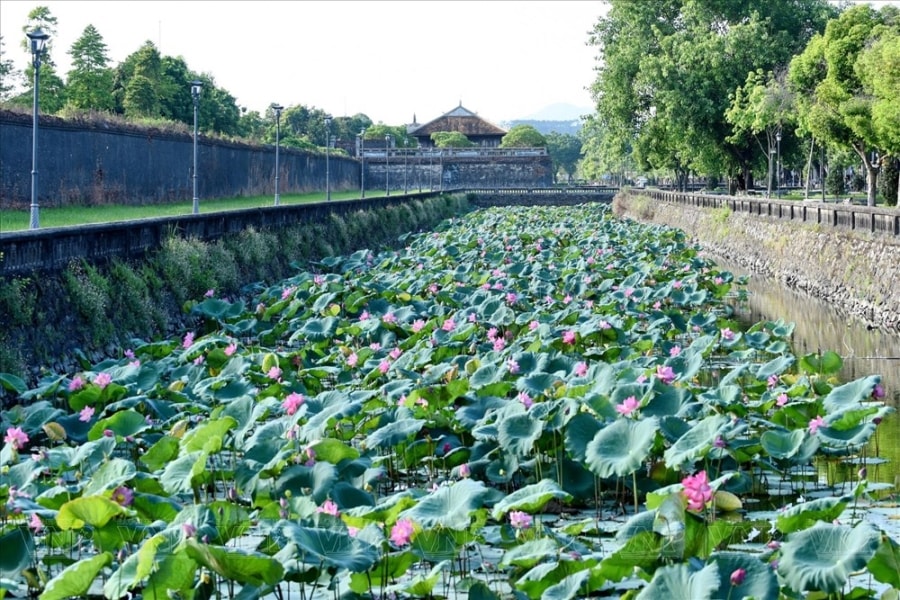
[405, 170]
[362, 162]
[38, 39]
[778, 165]
[327, 167]
[387, 164]
[195, 94]
[277, 108]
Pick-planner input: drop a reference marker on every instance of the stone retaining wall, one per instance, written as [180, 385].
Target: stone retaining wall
[859, 273]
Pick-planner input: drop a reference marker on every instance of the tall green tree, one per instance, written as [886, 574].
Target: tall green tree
[52, 89]
[90, 82]
[668, 67]
[451, 139]
[8, 74]
[837, 89]
[565, 152]
[523, 136]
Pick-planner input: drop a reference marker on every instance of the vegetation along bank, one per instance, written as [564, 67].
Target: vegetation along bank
[856, 272]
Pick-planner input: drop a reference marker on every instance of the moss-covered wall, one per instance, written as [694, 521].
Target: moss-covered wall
[857, 272]
[57, 322]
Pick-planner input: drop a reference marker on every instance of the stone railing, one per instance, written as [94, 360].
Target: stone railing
[876, 220]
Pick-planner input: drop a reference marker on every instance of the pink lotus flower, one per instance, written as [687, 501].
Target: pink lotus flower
[532, 325]
[513, 366]
[274, 373]
[727, 334]
[449, 325]
[364, 316]
[665, 374]
[520, 520]
[102, 380]
[292, 402]
[188, 340]
[512, 298]
[395, 353]
[129, 354]
[568, 337]
[352, 359]
[738, 576]
[401, 532]
[86, 413]
[674, 351]
[581, 369]
[123, 496]
[389, 318]
[375, 346]
[16, 438]
[188, 530]
[230, 349]
[499, 344]
[781, 400]
[288, 292]
[604, 324]
[628, 406]
[76, 384]
[384, 366]
[525, 399]
[35, 523]
[329, 508]
[697, 491]
[878, 391]
[814, 424]
[417, 325]
[209, 293]
[492, 334]
[465, 470]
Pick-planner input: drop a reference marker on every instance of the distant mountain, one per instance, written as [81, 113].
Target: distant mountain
[572, 126]
[558, 112]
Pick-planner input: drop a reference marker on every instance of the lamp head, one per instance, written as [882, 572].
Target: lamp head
[327, 120]
[195, 88]
[277, 108]
[38, 38]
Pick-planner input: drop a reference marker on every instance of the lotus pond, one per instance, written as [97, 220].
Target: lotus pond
[524, 403]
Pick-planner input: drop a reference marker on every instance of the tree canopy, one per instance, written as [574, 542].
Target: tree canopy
[523, 136]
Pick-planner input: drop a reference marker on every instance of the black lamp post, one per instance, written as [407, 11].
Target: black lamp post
[195, 94]
[405, 170]
[277, 108]
[387, 164]
[778, 165]
[327, 168]
[362, 162]
[38, 39]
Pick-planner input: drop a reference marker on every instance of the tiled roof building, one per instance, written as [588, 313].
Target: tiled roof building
[479, 131]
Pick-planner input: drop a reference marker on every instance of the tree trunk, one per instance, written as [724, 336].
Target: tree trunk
[871, 179]
[812, 147]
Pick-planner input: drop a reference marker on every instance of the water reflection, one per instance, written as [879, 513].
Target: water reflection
[820, 327]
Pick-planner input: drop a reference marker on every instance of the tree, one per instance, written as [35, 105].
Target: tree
[678, 62]
[764, 104]
[523, 136]
[837, 86]
[90, 82]
[52, 89]
[8, 74]
[565, 152]
[451, 139]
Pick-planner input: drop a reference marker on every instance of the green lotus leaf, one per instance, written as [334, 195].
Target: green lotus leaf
[776, 366]
[621, 448]
[885, 565]
[823, 557]
[570, 587]
[485, 375]
[125, 423]
[531, 498]
[236, 564]
[850, 393]
[803, 515]
[334, 451]
[178, 476]
[679, 582]
[518, 433]
[837, 442]
[782, 444]
[421, 585]
[13, 383]
[394, 433]
[449, 507]
[212, 430]
[218, 309]
[828, 363]
[696, 442]
[439, 544]
[95, 511]
[75, 580]
[18, 551]
[759, 581]
[334, 547]
[110, 475]
[529, 553]
[300, 480]
[317, 330]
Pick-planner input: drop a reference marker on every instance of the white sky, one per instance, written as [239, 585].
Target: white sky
[387, 59]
